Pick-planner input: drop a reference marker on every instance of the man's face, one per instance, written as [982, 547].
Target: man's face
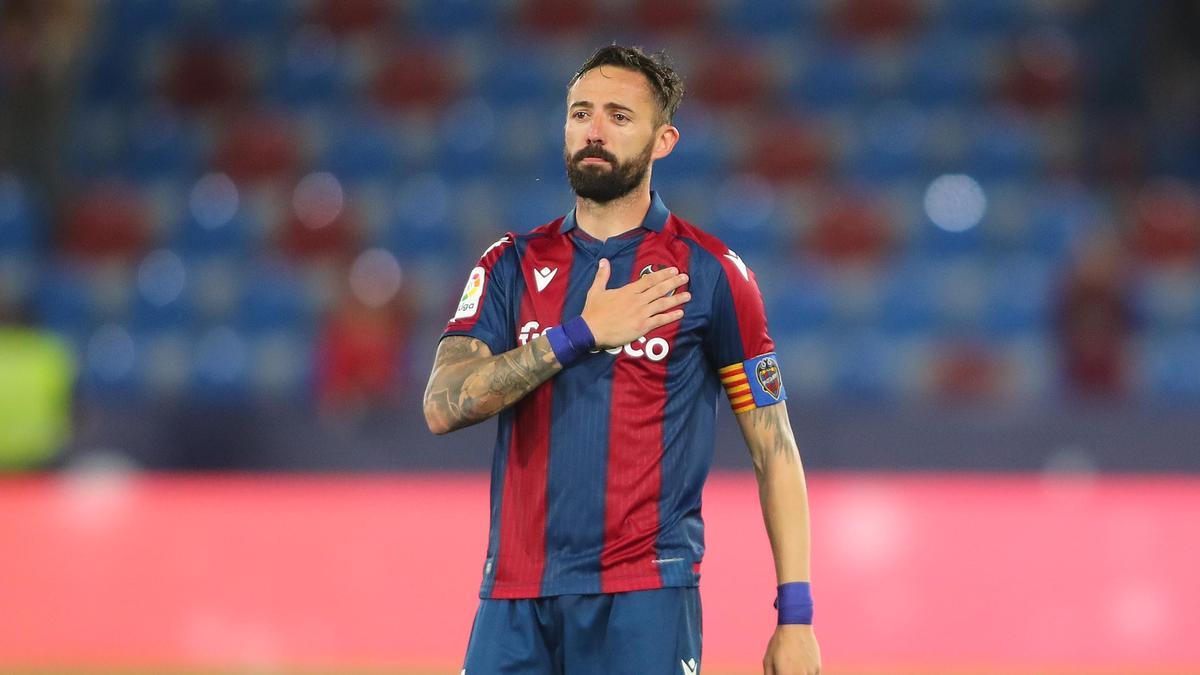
[610, 132]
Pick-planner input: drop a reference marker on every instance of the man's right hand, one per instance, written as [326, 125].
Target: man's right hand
[619, 316]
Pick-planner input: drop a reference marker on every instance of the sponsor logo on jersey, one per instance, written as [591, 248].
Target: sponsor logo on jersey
[737, 261]
[767, 373]
[654, 267]
[543, 277]
[468, 304]
[656, 348]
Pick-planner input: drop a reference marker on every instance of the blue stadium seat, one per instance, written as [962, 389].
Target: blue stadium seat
[1020, 299]
[1058, 215]
[945, 69]
[1173, 367]
[803, 304]
[20, 222]
[274, 299]
[160, 146]
[522, 75]
[981, 17]
[363, 148]
[62, 301]
[452, 16]
[891, 145]
[253, 17]
[909, 300]
[867, 368]
[310, 72]
[221, 369]
[1005, 147]
[767, 16]
[113, 361]
[838, 75]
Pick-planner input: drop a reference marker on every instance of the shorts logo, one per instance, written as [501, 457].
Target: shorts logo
[468, 304]
[690, 667]
[654, 267]
[767, 373]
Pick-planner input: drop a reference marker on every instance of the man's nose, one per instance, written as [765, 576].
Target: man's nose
[595, 130]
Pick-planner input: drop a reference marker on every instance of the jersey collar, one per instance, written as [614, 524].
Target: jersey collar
[655, 220]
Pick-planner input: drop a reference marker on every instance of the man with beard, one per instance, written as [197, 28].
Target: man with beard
[602, 340]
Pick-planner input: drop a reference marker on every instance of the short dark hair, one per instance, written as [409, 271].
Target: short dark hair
[665, 83]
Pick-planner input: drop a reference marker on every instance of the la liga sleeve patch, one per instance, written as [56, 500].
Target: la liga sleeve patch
[468, 304]
[753, 383]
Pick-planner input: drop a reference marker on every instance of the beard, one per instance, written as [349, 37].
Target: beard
[604, 185]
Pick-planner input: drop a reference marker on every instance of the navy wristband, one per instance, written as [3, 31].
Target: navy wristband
[571, 341]
[795, 603]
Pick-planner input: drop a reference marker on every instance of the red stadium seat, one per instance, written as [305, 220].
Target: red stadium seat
[1167, 223]
[664, 16]
[344, 17]
[737, 77]
[789, 150]
[258, 147]
[851, 228]
[204, 75]
[875, 19]
[414, 78]
[556, 16]
[106, 222]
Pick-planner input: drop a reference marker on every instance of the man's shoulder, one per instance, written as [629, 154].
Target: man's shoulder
[707, 243]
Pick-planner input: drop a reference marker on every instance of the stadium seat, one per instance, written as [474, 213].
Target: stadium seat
[258, 146]
[443, 17]
[311, 72]
[1172, 367]
[345, 17]
[161, 146]
[837, 75]
[363, 147]
[106, 221]
[766, 16]
[274, 298]
[20, 222]
[414, 77]
[1021, 297]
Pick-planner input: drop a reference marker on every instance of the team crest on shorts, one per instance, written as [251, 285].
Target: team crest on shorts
[654, 267]
[767, 373]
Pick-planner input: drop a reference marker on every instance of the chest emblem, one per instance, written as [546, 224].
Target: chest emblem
[654, 267]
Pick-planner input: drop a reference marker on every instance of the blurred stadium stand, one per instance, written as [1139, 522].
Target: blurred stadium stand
[916, 184]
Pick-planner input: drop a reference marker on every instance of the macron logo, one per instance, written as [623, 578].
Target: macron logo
[733, 257]
[543, 276]
[689, 666]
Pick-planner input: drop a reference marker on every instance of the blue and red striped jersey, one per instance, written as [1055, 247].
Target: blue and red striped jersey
[597, 474]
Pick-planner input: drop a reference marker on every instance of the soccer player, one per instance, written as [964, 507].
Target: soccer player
[602, 341]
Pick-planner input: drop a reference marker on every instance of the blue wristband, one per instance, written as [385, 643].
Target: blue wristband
[795, 603]
[571, 341]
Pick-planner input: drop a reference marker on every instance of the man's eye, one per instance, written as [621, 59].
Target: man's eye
[579, 114]
[620, 117]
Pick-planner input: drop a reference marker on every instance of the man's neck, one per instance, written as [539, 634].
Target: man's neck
[613, 218]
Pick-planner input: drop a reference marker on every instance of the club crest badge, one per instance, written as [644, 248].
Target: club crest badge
[654, 267]
[767, 372]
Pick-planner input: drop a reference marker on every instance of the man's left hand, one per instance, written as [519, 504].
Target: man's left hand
[793, 650]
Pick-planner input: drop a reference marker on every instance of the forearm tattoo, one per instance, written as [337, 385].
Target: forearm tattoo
[768, 435]
[468, 385]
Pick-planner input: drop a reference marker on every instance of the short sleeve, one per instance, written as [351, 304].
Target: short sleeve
[482, 311]
[738, 342]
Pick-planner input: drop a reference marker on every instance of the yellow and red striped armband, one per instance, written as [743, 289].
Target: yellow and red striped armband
[753, 383]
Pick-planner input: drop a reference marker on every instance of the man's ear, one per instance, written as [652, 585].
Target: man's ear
[668, 136]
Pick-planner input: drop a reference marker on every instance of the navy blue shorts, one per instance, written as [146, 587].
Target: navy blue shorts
[634, 633]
